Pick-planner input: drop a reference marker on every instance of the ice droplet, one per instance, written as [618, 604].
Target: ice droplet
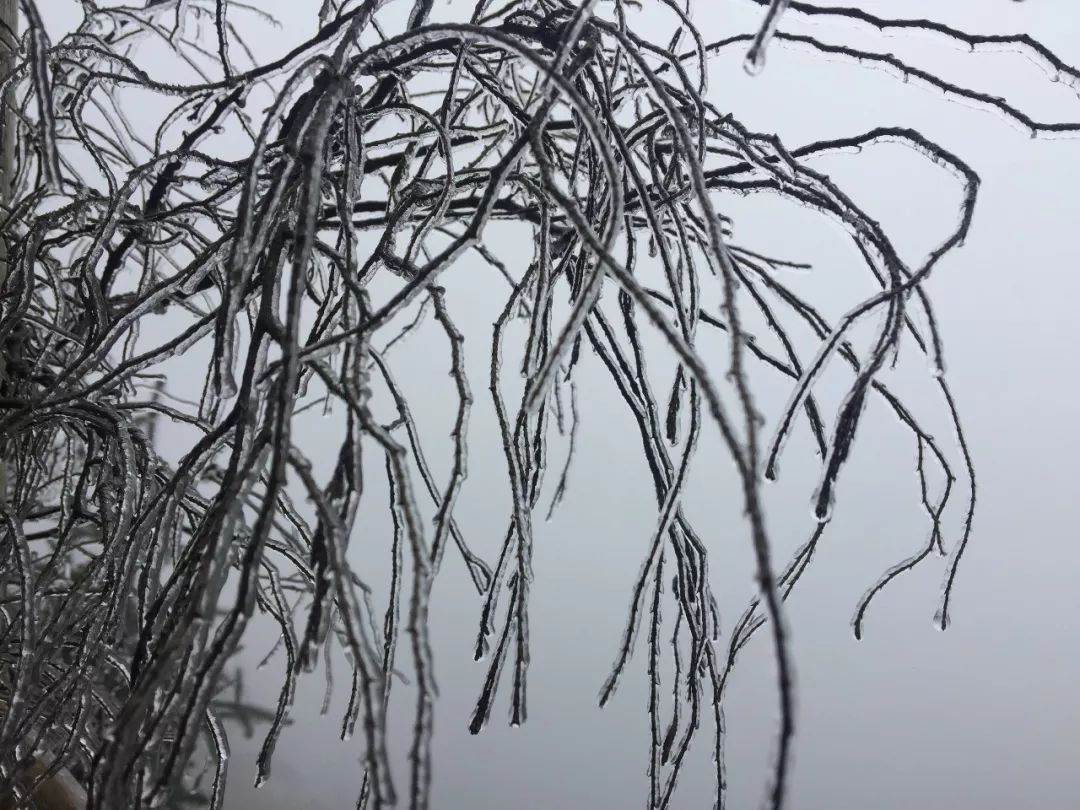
[226, 384]
[822, 511]
[941, 620]
[754, 62]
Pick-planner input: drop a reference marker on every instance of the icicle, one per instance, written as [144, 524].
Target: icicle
[754, 62]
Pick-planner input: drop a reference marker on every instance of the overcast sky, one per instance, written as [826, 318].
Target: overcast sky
[985, 715]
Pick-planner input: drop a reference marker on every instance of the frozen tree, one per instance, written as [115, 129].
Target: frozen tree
[380, 154]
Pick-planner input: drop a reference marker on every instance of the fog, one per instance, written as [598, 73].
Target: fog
[984, 714]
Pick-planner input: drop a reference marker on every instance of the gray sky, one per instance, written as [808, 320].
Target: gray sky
[984, 715]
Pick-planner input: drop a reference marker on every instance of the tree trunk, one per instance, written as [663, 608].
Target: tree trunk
[9, 25]
[60, 791]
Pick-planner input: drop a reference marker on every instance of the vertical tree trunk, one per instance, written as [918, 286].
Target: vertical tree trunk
[60, 791]
[9, 22]
[9, 26]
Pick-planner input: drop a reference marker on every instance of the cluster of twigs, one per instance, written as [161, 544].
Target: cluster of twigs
[127, 581]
